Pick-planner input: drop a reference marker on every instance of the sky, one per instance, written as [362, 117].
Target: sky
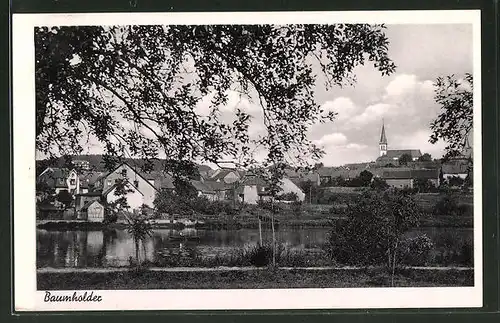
[403, 100]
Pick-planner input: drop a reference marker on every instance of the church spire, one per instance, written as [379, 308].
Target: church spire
[382, 145]
[383, 139]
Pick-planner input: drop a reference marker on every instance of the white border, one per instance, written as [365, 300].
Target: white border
[26, 298]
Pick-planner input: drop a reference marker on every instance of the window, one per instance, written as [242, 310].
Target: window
[72, 181]
[136, 183]
[124, 172]
[110, 182]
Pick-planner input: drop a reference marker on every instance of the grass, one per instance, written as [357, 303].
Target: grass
[252, 279]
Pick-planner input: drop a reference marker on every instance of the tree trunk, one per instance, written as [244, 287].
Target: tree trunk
[394, 263]
[274, 235]
[137, 252]
[260, 230]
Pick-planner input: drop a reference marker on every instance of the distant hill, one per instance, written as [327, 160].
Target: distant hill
[96, 163]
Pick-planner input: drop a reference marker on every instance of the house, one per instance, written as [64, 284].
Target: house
[139, 190]
[254, 188]
[226, 175]
[299, 177]
[327, 174]
[404, 177]
[92, 211]
[60, 179]
[205, 190]
[83, 199]
[455, 168]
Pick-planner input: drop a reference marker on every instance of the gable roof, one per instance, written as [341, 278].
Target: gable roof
[161, 179]
[223, 172]
[54, 177]
[410, 174]
[455, 168]
[396, 153]
[201, 187]
[87, 204]
[143, 176]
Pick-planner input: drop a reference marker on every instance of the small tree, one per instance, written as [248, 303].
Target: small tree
[366, 177]
[455, 181]
[65, 198]
[140, 228]
[289, 197]
[425, 158]
[422, 185]
[404, 159]
[379, 184]
[374, 228]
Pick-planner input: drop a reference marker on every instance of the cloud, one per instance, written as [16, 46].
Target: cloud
[372, 113]
[418, 140]
[405, 95]
[341, 105]
[332, 139]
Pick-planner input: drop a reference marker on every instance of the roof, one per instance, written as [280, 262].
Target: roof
[51, 174]
[455, 168]
[396, 174]
[89, 177]
[161, 180]
[164, 180]
[223, 172]
[93, 193]
[201, 187]
[301, 176]
[425, 173]
[218, 186]
[410, 174]
[414, 153]
[89, 203]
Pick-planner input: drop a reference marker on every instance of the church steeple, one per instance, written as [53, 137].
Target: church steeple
[383, 141]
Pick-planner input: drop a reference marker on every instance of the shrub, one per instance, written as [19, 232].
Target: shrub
[373, 228]
[290, 196]
[467, 254]
[448, 205]
[416, 251]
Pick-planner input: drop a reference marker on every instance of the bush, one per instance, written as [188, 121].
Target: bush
[170, 203]
[296, 208]
[448, 205]
[374, 224]
[290, 197]
[416, 251]
[467, 254]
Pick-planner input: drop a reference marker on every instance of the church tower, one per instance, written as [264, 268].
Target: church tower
[383, 141]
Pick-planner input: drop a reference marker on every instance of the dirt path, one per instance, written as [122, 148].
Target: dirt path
[222, 269]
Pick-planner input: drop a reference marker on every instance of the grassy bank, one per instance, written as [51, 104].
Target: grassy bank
[252, 279]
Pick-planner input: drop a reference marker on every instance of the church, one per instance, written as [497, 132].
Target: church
[391, 156]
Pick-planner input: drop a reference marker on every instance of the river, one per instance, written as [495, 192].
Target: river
[114, 248]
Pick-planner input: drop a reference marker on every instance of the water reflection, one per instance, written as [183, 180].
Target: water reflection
[115, 248]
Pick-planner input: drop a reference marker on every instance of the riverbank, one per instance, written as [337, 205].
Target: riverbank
[253, 278]
[221, 224]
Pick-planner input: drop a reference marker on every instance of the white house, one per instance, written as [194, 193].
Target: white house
[253, 188]
[139, 189]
